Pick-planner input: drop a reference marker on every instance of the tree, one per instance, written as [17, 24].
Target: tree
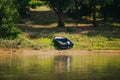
[59, 6]
[93, 4]
[77, 3]
[8, 19]
[111, 10]
[80, 8]
[22, 7]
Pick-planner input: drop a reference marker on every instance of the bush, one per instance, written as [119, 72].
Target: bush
[22, 7]
[9, 17]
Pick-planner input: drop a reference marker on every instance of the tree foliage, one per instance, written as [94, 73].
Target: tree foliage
[8, 19]
[22, 7]
[111, 10]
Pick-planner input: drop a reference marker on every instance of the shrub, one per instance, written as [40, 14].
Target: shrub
[9, 16]
[22, 7]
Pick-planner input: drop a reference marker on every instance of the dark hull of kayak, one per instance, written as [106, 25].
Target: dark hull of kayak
[63, 43]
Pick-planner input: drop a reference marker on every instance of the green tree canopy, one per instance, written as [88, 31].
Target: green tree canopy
[8, 19]
[22, 7]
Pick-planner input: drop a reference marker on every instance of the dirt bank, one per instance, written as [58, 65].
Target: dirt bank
[58, 51]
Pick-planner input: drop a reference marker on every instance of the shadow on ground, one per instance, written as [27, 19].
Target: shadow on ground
[38, 32]
[43, 18]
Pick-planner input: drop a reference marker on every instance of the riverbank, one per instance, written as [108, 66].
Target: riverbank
[62, 52]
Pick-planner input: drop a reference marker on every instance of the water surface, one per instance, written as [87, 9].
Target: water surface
[59, 67]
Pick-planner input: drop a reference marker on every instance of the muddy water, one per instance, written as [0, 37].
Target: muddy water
[60, 67]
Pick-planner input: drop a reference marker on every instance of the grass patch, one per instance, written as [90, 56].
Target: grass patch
[40, 28]
[82, 42]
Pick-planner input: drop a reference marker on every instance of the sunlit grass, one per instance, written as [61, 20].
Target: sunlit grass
[116, 24]
[42, 8]
[80, 42]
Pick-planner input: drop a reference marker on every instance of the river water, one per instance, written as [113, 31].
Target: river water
[60, 67]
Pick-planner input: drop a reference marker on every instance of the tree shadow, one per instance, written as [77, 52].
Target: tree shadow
[106, 30]
[41, 17]
[102, 30]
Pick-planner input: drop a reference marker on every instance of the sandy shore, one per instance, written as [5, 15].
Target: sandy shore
[58, 51]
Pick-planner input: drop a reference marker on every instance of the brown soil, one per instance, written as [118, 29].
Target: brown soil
[62, 52]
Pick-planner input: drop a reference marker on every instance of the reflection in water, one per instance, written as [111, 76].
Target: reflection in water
[62, 63]
[59, 67]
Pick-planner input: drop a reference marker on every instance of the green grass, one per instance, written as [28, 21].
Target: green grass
[39, 30]
[81, 41]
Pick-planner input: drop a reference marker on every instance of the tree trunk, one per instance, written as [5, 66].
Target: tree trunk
[59, 13]
[61, 22]
[77, 10]
[94, 16]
